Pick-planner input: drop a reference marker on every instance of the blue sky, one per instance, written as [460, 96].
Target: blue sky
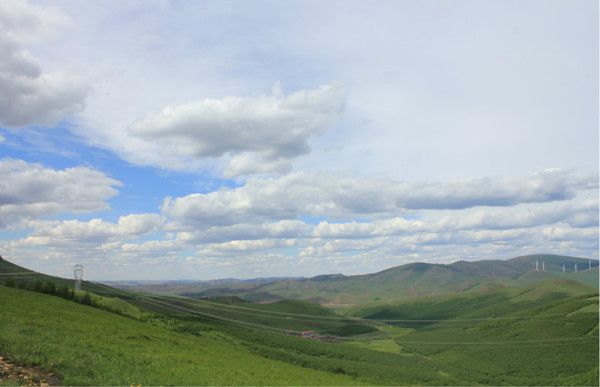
[173, 139]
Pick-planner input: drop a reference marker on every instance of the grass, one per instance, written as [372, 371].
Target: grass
[382, 345]
[515, 349]
[28, 278]
[367, 365]
[281, 316]
[412, 281]
[89, 346]
[488, 334]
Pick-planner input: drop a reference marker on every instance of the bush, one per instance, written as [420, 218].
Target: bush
[65, 292]
[85, 299]
[10, 282]
[37, 286]
[49, 288]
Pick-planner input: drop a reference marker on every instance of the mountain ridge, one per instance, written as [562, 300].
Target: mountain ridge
[415, 279]
[403, 281]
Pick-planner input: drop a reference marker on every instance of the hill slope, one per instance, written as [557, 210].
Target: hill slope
[460, 338]
[21, 275]
[420, 279]
[71, 339]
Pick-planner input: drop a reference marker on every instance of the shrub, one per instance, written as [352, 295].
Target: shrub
[49, 288]
[10, 282]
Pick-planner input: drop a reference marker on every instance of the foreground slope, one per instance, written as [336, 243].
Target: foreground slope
[91, 346]
[542, 332]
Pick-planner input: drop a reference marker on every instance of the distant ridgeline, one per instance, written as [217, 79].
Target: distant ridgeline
[403, 282]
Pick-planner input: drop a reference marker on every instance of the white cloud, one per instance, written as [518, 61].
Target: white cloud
[28, 96]
[25, 23]
[29, 191]
[420, 112]
[250, 135]
[246, 231]
[545, 186]
[241, 246]
[341, 197]
[139, 223]
[95, 232]
[258, 224]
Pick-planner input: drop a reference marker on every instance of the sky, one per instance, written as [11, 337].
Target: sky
[153, 140]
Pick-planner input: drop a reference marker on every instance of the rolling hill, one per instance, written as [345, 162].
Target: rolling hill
[89, 346]
[26, 277]
[414, 280]
[499, 324]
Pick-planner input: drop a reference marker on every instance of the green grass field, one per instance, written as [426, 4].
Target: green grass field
[88, 346]
[281, 316]
[503, 337]
[534, 330]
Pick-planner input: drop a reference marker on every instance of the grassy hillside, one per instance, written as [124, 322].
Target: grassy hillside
[504, 302]
[415, 280]
[281, 316]
[547, 334]
[561, 348]
[528, 328]
[25, 277]
[366, 365]
[459, 339]
[90, 346]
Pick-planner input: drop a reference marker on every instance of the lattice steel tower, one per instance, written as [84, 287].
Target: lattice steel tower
[78, 273]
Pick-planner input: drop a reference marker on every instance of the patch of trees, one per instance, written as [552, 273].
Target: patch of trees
[50, 287]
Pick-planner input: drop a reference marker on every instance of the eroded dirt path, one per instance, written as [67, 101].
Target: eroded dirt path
[11, 373]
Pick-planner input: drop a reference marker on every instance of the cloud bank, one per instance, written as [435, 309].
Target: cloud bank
[309, 221]
[342, 197]
[30, 191]
[28, 95]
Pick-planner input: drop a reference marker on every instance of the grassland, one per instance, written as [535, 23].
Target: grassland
[489, 339]
[88, 346]
[413, 281]
[536, 329]
[546, 338]
[28, 278]
[290, 315]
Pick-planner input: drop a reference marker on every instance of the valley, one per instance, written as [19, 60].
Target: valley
[467, 323]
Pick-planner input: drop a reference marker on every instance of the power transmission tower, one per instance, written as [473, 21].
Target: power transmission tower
[78, 273]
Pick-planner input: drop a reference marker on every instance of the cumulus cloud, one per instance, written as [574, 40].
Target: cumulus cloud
[95, 231]
[342, 197]
[241, 246]
[29, 96]
[29, 191]
[266, 217]
[247, 231]
[545, 186]
[257, 134]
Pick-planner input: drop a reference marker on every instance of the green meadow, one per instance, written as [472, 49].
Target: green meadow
[89, 346]
[520, 327]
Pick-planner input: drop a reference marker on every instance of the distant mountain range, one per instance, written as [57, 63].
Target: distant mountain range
[401, 282]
